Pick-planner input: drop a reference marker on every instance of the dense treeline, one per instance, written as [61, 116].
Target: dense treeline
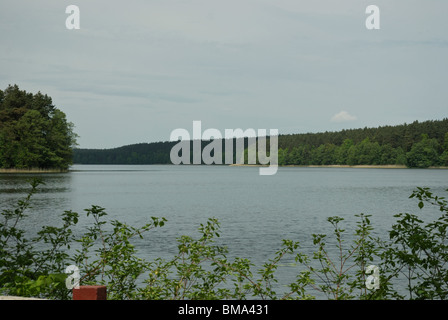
[423, 153]
[404, 135]
[419, 144]
[141, 153]
[33, 132]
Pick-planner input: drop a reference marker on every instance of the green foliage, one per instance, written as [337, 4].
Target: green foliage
[33, 266]
[195, 272]
[444, 155]
[338, 272]
[33, 133]
[419, 251]
[114, 262]
[424, 153]
[411, 263]
[388, 145]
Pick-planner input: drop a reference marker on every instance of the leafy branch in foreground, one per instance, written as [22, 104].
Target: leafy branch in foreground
[418, 251]
[338, 272]
[114, 261]
[25, 270]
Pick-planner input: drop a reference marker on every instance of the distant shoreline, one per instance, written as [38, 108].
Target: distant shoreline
[32, 170]
[361, 166]
[39, 170]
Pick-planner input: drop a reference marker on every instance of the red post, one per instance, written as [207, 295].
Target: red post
[90, 293]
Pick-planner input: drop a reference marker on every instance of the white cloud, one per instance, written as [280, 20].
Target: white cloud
[343, 116]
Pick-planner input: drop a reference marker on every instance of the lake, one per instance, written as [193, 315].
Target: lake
[256, 212]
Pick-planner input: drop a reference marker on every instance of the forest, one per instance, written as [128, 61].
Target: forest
[415, 145]
[33, 132]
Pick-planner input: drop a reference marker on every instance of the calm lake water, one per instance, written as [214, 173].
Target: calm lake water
[256, 212]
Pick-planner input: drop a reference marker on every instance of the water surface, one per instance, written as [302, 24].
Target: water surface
[256, 212]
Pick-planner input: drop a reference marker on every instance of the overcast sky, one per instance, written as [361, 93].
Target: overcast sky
[138, 69]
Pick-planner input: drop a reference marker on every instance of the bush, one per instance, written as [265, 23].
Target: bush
[25, 270]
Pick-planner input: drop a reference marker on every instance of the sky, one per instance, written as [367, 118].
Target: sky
[136, 70]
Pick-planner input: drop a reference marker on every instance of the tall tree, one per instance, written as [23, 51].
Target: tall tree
[33, 132]
[423, 153]
[444, 155]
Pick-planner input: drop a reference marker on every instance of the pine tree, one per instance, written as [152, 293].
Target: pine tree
[33, 132]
